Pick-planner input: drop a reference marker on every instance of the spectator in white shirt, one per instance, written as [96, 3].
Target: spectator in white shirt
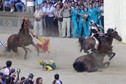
[44, 8]
[38, 26]
[30, 6]
[50, 19]
[7, 68]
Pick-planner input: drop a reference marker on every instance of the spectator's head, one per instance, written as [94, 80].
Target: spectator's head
[8, 63]
[77, 6]
[94, 4]
[50, 3]
[59, 2]
[88, 1]
[31, 75]
[12, 70]
[91, 5]
[97, 5]
[56, 76]
[22, 80]
[44, 3]
[39, 80]
[1, 75]
[102, 4]
[58, 6]
[79, 2]
[37, 7]
[28, 82]
[82, 7]
[72, 3]
[85, 9]
[65, 5]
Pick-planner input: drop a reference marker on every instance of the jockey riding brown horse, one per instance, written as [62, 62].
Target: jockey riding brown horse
[22, 39]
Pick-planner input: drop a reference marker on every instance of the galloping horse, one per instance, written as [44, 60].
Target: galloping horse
[90, 62]
[22, 39]
[105, 42]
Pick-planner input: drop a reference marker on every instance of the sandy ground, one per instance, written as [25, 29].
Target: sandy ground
[64, 51]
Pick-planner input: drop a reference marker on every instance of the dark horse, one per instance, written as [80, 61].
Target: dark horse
[22, 39]
[105, 42]
[90, 62]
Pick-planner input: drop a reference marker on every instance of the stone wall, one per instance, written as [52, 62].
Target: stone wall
[12, 21]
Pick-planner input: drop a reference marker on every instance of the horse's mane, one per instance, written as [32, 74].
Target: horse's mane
[109, 30]
[22, 26]
[106, 35]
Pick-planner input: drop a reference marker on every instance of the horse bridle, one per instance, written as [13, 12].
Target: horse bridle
[25, 20]
[108, 34]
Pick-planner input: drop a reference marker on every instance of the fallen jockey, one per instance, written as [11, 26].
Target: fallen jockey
[47, 64]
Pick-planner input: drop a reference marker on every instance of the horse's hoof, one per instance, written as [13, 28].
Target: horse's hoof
[80, 49]
[99, 70]
[111, 57]
[108, 64]
[113, 54]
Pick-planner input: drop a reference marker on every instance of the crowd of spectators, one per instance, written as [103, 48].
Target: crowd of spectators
[12, 76]
[67, 18]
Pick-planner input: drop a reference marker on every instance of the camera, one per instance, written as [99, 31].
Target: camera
[18, 70]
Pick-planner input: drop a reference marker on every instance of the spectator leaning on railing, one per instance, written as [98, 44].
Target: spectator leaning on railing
[20, 5]
[9, 4]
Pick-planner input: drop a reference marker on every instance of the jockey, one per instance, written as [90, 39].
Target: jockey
[47, 64]
[95, 33]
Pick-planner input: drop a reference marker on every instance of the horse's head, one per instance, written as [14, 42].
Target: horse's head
[114, 34]
[27, 23]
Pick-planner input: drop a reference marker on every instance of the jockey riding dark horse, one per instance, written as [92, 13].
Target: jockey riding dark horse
[105, 43]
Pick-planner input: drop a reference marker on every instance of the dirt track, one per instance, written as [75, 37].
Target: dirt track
[64, 51]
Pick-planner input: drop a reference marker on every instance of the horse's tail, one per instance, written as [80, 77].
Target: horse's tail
[79, 66]
[81, 40]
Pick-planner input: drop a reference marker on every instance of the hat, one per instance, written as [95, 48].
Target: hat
[92, 21]
[31, 75]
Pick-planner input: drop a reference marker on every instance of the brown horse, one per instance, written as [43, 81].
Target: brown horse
[22, 39]
[105, 43]
[90, 62]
